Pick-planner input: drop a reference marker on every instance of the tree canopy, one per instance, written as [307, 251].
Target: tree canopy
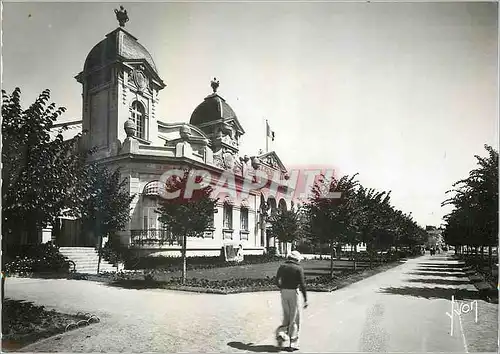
[106, 206]
[285, 225]
[184, 215]
[44, 175]
[188, 214]
[474, 218]
[360, 214]
[40, 173]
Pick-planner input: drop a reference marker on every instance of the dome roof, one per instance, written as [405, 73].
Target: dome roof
[213, 108]
[118, 44]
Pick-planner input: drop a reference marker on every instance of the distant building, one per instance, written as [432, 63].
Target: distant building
[361, 247]
[435, 236]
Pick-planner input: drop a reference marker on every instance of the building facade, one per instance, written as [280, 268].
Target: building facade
[120, 100]
[434, 237]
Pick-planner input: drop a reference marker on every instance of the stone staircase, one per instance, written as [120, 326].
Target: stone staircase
[86, 259]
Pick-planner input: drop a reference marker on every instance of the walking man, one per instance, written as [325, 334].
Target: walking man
[290, 279]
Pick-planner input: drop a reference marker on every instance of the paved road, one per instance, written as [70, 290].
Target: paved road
[401, 310]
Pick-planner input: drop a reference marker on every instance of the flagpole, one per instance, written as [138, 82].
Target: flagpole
[267, 137]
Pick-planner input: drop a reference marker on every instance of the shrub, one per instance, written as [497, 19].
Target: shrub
[305, 248]
[311, 248]
[114, 252]
[109, 254]
[36, 258]
[324, 281]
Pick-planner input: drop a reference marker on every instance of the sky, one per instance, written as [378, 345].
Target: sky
[405, 94]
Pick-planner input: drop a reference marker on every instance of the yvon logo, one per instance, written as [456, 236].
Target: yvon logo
[459, 308]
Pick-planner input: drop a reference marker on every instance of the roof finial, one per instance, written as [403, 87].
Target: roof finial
[214, 84]
[121, 16]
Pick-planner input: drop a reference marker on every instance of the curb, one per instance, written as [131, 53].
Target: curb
[27, 347]
[194, 289]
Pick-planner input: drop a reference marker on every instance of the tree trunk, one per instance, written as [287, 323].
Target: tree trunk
[490, 256]
[339, 250]
[184, 261]
[99, 254]
[354, 256]
[332, 247]
[3, 285]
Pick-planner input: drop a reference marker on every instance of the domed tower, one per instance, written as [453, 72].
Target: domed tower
[120, 81]
[219, 122]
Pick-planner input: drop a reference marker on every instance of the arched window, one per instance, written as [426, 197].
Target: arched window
[282, 205]
[138, 115]
[272, 205]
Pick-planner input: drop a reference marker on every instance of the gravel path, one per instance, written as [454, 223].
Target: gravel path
[403, 309]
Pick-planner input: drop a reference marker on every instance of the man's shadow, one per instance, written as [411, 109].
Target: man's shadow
[265, 348]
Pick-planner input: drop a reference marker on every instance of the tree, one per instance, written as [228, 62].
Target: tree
[331, 218]
[187, 216]
[373, 204]
[106, 208]
[285, 225]
[474, 220]
[39, 170]
[359, 215]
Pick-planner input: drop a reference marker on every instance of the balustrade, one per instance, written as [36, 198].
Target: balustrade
[154, 237]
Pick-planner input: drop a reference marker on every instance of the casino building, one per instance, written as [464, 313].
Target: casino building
[120, 87]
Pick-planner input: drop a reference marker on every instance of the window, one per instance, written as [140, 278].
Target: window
[244, 223]
[150, 217]
[138, 115]
[228, 216]
[244, 219]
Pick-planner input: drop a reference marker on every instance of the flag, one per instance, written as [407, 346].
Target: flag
[270, 133]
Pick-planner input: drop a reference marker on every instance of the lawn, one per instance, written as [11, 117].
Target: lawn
[312, 269]
[482, 336]
[249, 278]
